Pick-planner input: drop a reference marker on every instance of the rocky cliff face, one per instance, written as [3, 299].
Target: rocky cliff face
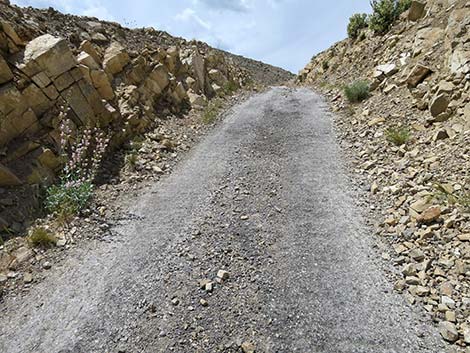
[419, 75]
[107, 76]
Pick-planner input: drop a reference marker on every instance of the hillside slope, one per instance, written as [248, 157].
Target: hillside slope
[409, 143]
[95, 74]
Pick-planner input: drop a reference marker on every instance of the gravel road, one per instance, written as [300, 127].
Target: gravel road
[264, 197]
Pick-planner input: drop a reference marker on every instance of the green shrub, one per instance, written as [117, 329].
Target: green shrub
[212, 111]
[40, 237]
[385, 13]
[398, 136]
[325, 65]
[357, 22]
[230, 87]
[357, 91]
[68, 198]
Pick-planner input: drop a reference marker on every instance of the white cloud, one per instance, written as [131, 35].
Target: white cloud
[190, 15]
[229, 5]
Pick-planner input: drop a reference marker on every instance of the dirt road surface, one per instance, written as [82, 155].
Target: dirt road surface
[264, 197]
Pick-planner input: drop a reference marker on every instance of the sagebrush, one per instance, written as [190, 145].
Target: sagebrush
[357, 91]
[398, 135]
[41, 237]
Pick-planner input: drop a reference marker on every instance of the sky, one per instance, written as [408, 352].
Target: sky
[284, 33]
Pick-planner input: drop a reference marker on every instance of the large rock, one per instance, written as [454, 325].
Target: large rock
[87, 47]
[11, 33]
[426, 39]
[158, 79]
[459, 61]
[448, 331]
[5, 72]
[198, 69]
[11, 100]
[7, 178]
[101, 82]
[87, 60]
[49, 54]
[416, 10]
[417, 75]
[218, 77]
[115, 58]
[36, 99]
[439, 104]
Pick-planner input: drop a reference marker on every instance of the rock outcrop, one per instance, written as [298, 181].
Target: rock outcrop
[120, 80]
[419, 75]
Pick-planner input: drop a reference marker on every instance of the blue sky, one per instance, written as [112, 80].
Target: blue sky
[284, 33]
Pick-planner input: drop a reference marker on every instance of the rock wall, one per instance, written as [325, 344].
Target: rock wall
[428, 51]
[105, 75]
[417, 190]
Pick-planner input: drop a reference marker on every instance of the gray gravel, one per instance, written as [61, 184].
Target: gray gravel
[264, 197]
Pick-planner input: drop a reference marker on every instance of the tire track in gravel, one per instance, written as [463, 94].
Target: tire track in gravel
[264, 197]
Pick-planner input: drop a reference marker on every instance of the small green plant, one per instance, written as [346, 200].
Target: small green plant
[461, 197]
[357, 22]
[357, 91]
[211, 111]
[385, 13]
[68, 198]
[398, 136]
[131, 159]
[325, 65]
[40, 237]
[230, 87]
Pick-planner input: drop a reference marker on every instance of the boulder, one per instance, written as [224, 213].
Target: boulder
[426, 39]
[387, 69]
[79, 105]
[49, 54]
[448, 331]
[11, 100]
[115, 58]
[101, 83]
[459, 61]
[36, 99]
[87, 60]
[87, 47]
[417, 75]
[5, 72]
[439, 104]
[49, 159]
[179, 93]
[416, 10]
[196, 100]
[198, 69]
[217, 77]
[160, 76]
[11, 33]
[7, 178]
